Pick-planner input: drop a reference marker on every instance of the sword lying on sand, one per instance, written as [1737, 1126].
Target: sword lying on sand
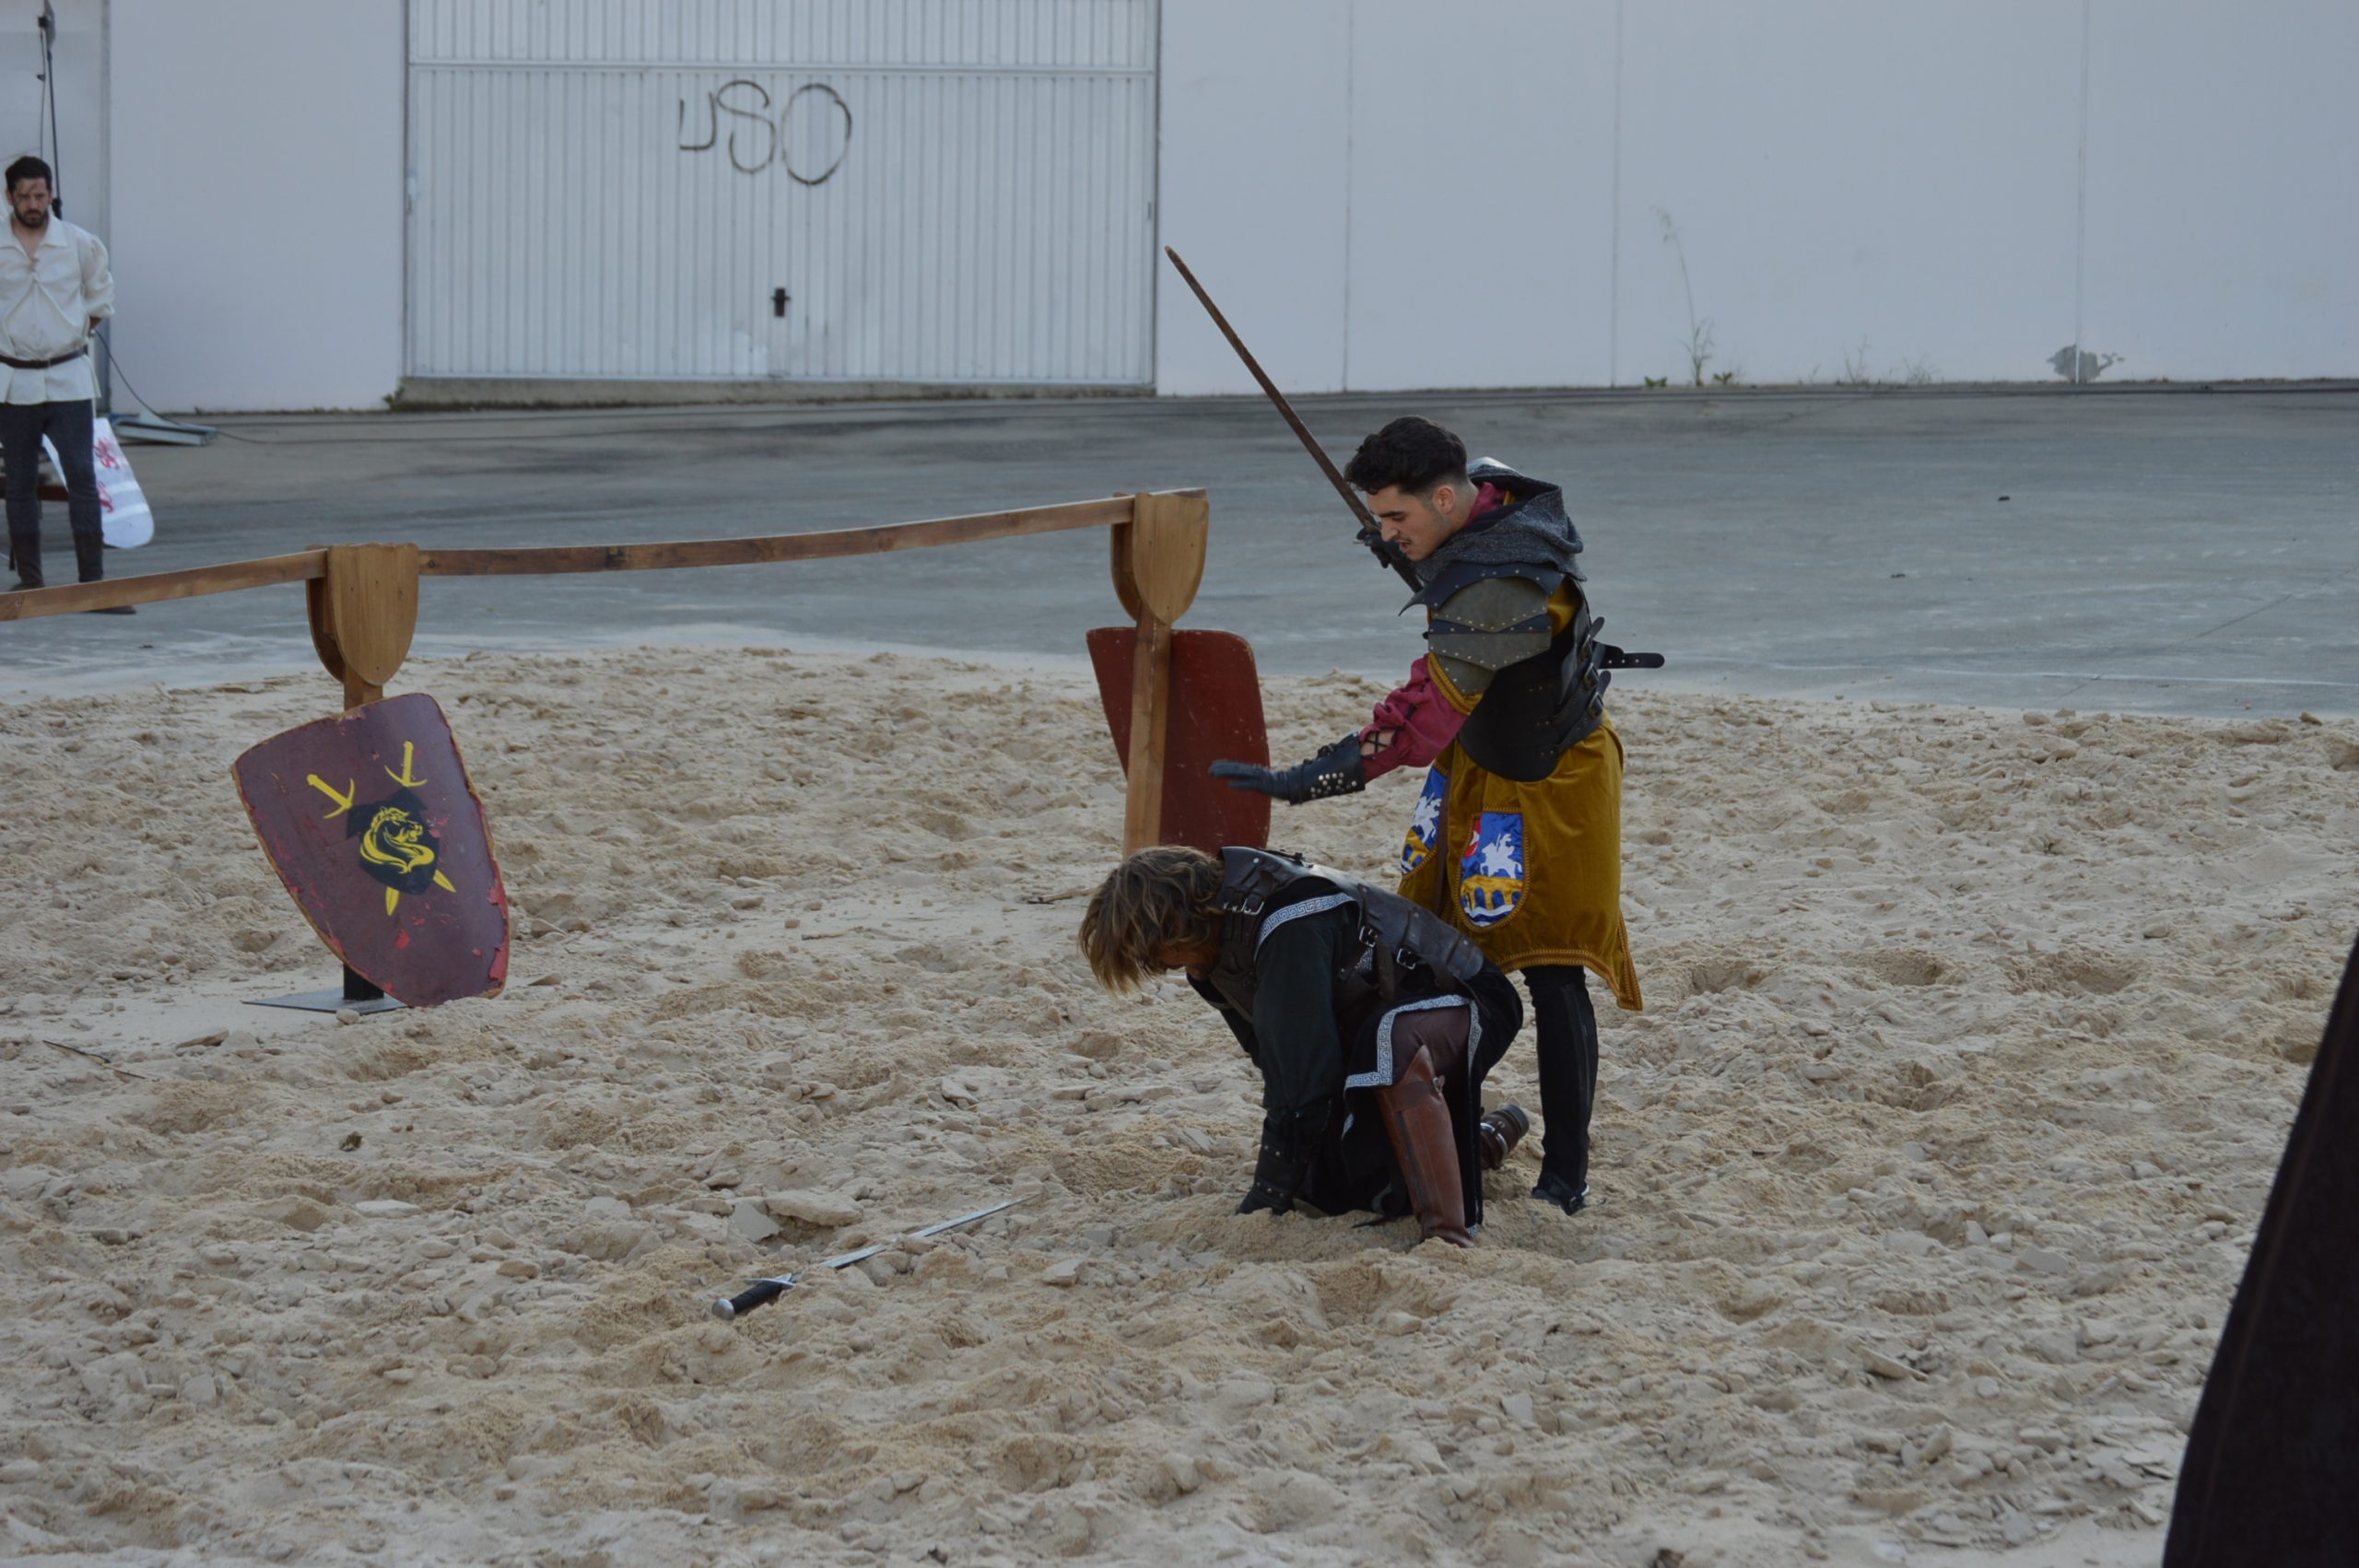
[762, 1292]
[1387, 553]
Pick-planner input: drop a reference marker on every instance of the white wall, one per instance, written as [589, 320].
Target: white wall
[2223, 211]
[1248, 190]
[256, 158]
[1857, 187]
[1522, 296]
[1849, 172]
[79, 153]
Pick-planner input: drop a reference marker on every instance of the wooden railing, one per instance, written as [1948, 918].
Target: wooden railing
[362, 599]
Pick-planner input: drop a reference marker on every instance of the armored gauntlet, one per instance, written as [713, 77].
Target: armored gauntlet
[1336, 771]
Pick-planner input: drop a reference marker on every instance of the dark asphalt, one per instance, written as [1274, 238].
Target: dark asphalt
[2157, 550]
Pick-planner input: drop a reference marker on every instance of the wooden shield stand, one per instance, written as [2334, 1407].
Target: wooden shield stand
[1214, 713]
[363, 613]
[363, 604]
[1190, 697]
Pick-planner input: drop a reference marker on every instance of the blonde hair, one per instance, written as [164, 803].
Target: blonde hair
[1159, 896]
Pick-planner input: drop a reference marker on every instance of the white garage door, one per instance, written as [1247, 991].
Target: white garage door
[926, 190]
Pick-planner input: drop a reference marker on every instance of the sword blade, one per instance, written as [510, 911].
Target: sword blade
[761, 1290]
[1371, 534]
[940, 1226]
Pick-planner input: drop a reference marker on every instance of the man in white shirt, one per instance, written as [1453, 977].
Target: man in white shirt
[55, 289]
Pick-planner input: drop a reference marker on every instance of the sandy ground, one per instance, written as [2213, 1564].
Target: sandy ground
[1922, 1186]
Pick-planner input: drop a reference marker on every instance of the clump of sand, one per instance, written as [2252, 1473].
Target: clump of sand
[1922, 1186]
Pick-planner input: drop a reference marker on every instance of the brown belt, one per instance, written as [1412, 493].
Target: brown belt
[15, 364]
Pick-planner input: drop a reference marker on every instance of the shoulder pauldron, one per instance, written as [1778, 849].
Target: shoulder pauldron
[1489, 623]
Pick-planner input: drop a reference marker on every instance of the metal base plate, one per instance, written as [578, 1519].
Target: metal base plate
[326, 1002]
[173, 432]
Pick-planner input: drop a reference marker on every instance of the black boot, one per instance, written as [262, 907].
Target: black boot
[89, 561]
[1553, 1189]
[1289, 1141]
[24, 555]
[89, 554]
[1565, 1025]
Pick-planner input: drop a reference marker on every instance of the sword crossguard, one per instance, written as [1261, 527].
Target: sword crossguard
[1390, 556]
[409, 750]
[342, 802]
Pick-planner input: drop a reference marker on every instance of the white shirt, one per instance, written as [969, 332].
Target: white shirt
[47, 302]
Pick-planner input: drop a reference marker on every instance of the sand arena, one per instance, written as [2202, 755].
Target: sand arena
[1922, 1184]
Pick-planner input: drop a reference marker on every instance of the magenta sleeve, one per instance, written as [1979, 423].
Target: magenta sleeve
[1423, 723]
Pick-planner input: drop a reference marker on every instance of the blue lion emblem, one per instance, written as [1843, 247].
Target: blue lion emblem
[1491, 879]
[1425, 822]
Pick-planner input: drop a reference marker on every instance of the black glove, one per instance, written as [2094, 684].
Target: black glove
[1336, 771]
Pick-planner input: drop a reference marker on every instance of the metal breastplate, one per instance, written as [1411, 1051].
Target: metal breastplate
[1538, 708]
[1531, 707]
[1397, 938]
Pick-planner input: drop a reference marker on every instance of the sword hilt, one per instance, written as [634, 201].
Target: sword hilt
[1392, 556]
[761, 1292]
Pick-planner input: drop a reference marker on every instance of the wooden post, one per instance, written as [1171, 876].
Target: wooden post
[1150, 723]
[1158, 560]
[364, 611]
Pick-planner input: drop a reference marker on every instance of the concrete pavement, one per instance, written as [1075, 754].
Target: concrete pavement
[2153, 550]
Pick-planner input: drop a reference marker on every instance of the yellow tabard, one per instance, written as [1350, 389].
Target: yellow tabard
[1532, 873]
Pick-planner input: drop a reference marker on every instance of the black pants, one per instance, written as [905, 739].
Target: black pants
[67, 425]
[1566, 1025]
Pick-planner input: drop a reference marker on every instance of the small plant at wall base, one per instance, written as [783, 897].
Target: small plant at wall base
[1855, 368]
[1918, 371]
[1698, 346]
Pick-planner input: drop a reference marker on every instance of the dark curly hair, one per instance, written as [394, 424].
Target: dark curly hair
[29, 167]
[1416, 454]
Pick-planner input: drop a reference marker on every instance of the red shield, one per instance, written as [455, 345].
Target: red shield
[372, 824]
[1215, 716]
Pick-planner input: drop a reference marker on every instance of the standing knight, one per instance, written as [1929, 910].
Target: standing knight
[1516, 837]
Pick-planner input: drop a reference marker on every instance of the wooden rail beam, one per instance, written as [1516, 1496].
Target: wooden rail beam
[830, 545]
[362, 599]
[306, 566]
[156, 587]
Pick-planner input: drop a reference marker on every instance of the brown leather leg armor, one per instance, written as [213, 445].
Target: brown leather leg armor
[1430, 1050]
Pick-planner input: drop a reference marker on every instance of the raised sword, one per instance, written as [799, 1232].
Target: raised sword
[1372, 536]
